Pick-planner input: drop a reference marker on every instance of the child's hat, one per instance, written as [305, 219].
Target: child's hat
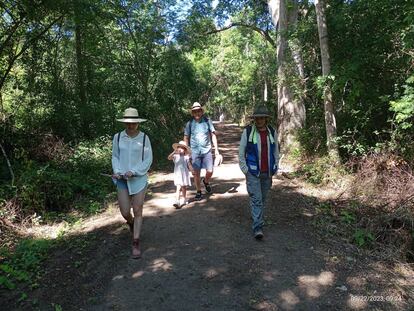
[183, 145]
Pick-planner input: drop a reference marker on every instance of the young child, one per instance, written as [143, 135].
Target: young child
[182, 167]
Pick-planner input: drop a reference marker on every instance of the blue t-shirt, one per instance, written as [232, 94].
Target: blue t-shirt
[200, 141]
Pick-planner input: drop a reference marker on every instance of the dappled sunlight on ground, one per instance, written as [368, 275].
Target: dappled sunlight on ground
[289, 299]
[313, 285]
[356, 304]
[204, 257]
[160, 264]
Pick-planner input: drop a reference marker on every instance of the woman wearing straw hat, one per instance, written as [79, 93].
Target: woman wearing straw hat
[131, 160]
[258, 160]
[182, 167]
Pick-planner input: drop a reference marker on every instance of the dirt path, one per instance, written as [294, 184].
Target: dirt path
[203, 257]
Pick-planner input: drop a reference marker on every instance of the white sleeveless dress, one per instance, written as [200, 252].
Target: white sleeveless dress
[181, 171]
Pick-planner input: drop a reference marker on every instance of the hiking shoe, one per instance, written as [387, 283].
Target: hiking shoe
[198, 196]
[177, 205]
[258, 235]
[136, 251]
[207, 185]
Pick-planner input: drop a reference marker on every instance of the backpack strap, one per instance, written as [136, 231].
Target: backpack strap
[143, 146]
[189, 128]
[119, 150]
[208, 122]
[204, 118]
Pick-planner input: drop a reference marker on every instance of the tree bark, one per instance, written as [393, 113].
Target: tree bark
[294, 43]
[330, 122]
[296, 52]
[290, 113]
[8, 164]
[80, 66]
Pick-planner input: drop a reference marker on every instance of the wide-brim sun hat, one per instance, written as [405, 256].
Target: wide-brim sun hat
[131, 116]
[260, 111]
[183, 145]
[196, 106]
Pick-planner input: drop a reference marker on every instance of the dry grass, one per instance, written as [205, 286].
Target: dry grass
[51, 147]
[384, 187]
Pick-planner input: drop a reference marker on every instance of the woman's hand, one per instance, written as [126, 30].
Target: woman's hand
[128, 174]
[116, 176]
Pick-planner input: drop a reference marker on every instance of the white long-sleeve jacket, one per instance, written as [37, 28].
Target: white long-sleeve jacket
[130, 156]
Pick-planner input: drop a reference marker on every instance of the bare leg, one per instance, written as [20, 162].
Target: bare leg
[125, 205]
[197, 180]
[184, 192]
[137, 205]
[177, 193]
[208, 176]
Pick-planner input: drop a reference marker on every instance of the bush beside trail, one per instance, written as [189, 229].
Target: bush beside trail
[373, 205]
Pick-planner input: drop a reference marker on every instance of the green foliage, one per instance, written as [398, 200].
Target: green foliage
[321, 170]
[348, 217]
[403, 132]
[234, 70]
[369, 63]
[404, 107]
[313, 173]
[363, 237]
[23, 265]
[57, 186]
[57, 307]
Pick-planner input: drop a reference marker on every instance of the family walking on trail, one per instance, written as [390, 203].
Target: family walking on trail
[132, 158]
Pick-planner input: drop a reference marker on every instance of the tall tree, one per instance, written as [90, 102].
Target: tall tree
[291, 112]
[21, 25]
[80, 67]
[330, 122]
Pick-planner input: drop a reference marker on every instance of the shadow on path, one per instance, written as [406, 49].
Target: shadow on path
[203, 257]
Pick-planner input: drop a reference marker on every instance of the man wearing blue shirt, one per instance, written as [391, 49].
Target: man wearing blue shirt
[199, 134]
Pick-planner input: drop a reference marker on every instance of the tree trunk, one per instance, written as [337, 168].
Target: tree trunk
[290, 114]
[294, 43]
[296, 51]
[1, 106]
[80, 66]
[8, 164]
[330, 122]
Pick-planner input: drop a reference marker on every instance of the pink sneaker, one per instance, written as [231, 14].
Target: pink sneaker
[136, 251]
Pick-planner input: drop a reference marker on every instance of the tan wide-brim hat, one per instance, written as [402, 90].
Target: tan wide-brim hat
[182, 144]
[131, 116]
[196, 106]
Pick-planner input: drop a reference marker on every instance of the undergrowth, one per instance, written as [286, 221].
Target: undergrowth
[374, 211]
